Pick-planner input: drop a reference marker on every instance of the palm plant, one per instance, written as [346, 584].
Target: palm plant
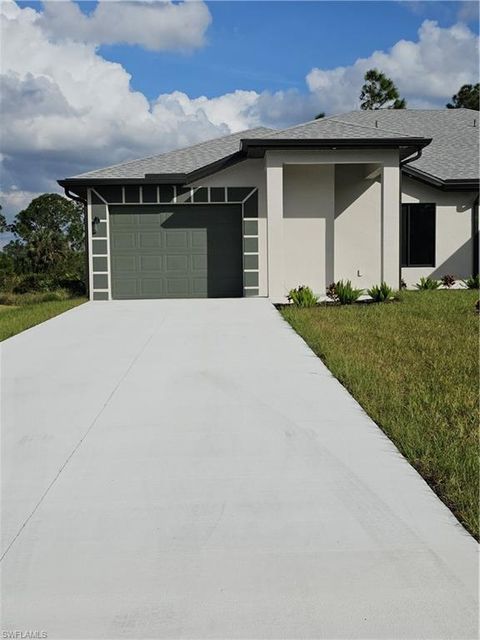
[381, 292]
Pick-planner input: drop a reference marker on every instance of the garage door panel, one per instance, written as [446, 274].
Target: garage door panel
[125, 220]
[176, 239]
[122, 240]
[152, 220]
[127, 288]
[151, 287]
[149, 240]
[199, 287]
[177, 263]
[198, 238]
[179, 252]
[150, 263]
[199, 262]
[178, 287]
[124, 263]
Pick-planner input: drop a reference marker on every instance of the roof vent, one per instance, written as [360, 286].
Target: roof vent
[376, 124]
[474, 122]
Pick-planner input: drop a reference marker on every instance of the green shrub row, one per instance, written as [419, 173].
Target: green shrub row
[16, 283]
[343, 292]
[430, 284]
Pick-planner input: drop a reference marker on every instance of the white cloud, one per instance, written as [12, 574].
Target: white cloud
[426, 72]
[65, 109]
[13, 201]
[153, 25]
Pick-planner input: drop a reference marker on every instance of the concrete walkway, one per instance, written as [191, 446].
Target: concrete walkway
[189, 469]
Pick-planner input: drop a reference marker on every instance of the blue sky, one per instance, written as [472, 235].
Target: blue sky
[272, 45]
[184, 72]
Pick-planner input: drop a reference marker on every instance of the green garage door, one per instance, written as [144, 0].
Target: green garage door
[176, 251]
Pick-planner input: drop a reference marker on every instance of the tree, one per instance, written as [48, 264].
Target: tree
[468, 97]
[3, 222]
[48, 238]
[380, 91]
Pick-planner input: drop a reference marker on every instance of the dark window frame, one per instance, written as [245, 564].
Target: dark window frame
[407, 209]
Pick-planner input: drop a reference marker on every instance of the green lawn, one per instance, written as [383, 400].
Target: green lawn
[14, 319]
[413, 366]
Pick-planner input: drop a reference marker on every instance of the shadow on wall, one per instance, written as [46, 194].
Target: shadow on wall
[351, 183]
[358, 224]
[459, 264]
[309, 201]
[223, 231]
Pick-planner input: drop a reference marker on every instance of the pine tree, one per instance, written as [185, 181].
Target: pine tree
[380, 91]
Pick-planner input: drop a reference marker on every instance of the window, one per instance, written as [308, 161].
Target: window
[418, 235]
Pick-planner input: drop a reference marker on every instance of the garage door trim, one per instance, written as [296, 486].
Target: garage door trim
[98, 202]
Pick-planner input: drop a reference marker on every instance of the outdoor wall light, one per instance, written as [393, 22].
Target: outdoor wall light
[95, 223]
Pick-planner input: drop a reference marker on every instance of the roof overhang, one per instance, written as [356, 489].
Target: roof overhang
[75, 184]
[165, 178]
[256, 147]
[467, 184]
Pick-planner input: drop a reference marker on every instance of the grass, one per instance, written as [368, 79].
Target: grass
[27, 311]
[413, 366]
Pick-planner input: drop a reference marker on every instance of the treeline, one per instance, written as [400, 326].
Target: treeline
[47, 251]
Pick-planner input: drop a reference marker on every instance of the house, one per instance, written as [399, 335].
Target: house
[366, 196]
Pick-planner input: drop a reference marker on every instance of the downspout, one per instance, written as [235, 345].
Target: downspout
[412, 158]
[82, 201]
[415, 156]
[475, 237]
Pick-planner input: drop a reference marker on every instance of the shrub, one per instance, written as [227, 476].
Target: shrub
[302, 297]
[345, 293]
[53, 296]
[8, 298]
[380, 293]
[473, 282]
[34, 297]
[74, 286]
[34, 282]
[403, 284]
[9, 281]
[41, 282]
[448, 280]
[331, 293]
[427, 284]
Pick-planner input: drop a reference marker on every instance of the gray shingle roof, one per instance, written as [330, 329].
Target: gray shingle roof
[335, 128]
[453, 153]
[178, 161]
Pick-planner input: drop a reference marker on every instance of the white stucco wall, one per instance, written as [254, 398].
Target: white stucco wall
[309, 250]
[311, 254]
[250, 173]
[308, 219]
[453, 244]
[358, 211]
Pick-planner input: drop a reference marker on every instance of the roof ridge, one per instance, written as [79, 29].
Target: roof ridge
[366, 126]
[335, 118]
[158, 155]
[303, 124]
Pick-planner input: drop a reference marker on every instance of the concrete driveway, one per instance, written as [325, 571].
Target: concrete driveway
[189, 469]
